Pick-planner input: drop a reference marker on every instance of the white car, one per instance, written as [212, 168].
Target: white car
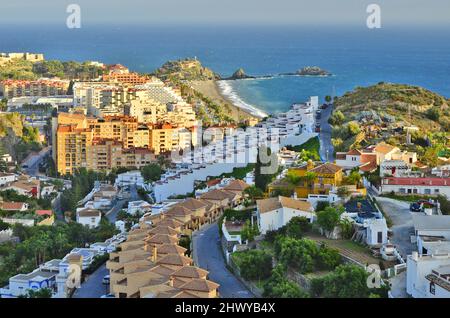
[105, 280]
[108, 296]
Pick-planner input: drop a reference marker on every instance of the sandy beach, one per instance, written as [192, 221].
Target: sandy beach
[211, 89]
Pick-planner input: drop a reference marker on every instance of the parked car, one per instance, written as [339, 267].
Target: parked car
[423, 201]
[105, 280]
[415, 207]
[108, 296]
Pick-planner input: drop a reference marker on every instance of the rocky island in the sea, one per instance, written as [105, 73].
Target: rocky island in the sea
[310, 71]
[240, 74]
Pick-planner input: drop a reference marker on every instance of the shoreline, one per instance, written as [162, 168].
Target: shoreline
[228, 93]
[238, 108]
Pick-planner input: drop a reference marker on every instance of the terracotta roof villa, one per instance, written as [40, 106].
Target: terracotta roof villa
[326, 168]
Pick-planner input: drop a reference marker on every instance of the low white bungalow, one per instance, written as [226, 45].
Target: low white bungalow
[140, 206]
[38, 279]
[376, 232]
[432, 233]
[274, 213]
[7, 178]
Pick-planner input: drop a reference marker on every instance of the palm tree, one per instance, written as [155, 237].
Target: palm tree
[310, 177]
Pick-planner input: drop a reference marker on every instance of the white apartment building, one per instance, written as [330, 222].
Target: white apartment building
[299, 119]
[159, 92]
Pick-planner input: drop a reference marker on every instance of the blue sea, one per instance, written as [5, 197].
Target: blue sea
[356, 56]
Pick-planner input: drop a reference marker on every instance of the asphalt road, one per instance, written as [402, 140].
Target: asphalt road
[208, 255]
[326, 148]
[33, 167]
[402, 227]
[112, 214]
[93, 287]
[57, 208]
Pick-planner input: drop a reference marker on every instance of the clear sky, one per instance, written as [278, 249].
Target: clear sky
[407, 13]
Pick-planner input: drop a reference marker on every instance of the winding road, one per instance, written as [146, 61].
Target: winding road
[326, 148]
[208, 255]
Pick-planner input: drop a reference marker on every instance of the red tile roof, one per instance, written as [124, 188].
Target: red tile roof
[44, 212]
[12, 206]
[417, 181]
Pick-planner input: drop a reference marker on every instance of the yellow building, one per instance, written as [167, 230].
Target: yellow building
[165, 137]
[72, 146]
[312, 179]
[113, 141]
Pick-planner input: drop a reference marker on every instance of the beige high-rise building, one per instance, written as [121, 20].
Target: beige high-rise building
[42, 87]
[72, 146]
[165, 138]
[146, 110]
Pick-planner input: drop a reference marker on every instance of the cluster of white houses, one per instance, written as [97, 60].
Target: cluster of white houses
[228, 148]
[428, 269]
[54, 274]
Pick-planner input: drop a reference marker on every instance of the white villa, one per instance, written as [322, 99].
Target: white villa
[274, 213]
[89, 217]
[129, 178]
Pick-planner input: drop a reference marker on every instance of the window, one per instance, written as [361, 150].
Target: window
[432, 288]
[427, 191]
[402, 190]
[380, 237]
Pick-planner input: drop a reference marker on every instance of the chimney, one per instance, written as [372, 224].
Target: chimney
[154, 253]
[171, 281]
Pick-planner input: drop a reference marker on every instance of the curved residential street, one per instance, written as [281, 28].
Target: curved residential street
[326, 148]
[208, 255]
[93, 287]
[402, 224]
